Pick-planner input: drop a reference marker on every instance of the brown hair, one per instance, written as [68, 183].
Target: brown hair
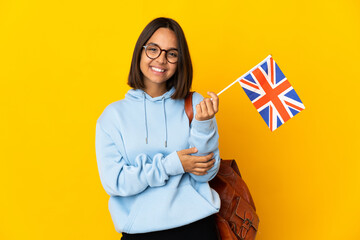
[182, 78]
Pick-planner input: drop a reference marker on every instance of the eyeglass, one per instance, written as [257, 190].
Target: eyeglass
[153, 51]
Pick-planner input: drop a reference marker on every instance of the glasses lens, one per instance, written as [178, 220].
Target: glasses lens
[152, 51]
[172, 56]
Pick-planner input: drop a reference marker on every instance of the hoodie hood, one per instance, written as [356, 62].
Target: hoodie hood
[141, 95]
[138, 95]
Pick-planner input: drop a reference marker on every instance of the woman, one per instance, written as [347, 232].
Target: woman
[154, 166]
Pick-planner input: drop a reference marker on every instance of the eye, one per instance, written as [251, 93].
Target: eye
[152, 49]
[173, 54]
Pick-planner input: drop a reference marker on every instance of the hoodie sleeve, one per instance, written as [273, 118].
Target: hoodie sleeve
[204, 136]
[121, 179]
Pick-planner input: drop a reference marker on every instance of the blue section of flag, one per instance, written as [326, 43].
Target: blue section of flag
[265, 115]
[249, 78]
[279, 74]
[293, 95]
[279, 123]
[293, 111]
[251, 95]
[264, 66]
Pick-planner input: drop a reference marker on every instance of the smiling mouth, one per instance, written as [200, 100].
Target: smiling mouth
[157, 69]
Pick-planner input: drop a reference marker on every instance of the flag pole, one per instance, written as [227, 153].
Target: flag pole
[227, 87]
[237, 80]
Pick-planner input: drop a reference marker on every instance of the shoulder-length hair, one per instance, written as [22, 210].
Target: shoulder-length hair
[182, 78]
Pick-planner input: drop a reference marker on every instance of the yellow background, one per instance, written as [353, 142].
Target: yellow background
[63, 62]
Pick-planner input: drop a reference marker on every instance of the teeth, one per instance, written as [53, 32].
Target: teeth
[157, 69]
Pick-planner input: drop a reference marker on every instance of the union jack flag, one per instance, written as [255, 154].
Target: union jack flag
[271, 93]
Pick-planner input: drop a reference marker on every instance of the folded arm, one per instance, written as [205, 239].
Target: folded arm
[122, 179]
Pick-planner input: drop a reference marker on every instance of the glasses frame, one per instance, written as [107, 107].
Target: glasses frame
[161, 50]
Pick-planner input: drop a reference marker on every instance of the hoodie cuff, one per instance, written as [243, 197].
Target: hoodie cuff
[172, 164]
[203, 126]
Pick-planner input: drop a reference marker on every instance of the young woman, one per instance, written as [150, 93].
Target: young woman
[154, 166]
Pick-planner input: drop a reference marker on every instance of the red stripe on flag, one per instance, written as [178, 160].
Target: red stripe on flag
[249, 84]
[271, 94]
[272, 70]
[294, 106]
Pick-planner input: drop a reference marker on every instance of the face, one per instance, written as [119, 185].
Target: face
[157, 71]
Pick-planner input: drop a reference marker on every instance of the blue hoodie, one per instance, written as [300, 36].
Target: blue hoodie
[137, 140]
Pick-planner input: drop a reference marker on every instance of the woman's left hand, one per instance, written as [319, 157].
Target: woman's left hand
[207, 108]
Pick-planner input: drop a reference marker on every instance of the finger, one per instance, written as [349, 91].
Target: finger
[198, 173]
[209, 106]
[201, 171]
[198, 109]
[213, 95]
[215, 101]
[200, 159]
[203, 159]
[203, 108]
[206, 165]
[189, 151]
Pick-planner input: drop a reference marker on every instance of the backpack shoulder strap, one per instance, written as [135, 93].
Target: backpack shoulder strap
[188, 107]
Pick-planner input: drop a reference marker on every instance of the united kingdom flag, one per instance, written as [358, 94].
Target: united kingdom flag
[271, 93]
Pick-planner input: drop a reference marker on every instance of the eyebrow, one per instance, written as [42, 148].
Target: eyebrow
[162, 48]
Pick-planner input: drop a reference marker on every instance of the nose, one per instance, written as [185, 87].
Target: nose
[162, 58]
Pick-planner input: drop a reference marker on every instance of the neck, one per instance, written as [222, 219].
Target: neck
[155, 91]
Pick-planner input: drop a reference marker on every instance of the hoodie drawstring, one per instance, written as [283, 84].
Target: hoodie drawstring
[165, 122]
[145, 120]
[146, 127]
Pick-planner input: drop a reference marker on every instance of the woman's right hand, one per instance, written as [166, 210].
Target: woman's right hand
[198, 165]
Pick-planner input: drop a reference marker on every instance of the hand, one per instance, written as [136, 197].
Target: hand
[207, 108]
[198, 165]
